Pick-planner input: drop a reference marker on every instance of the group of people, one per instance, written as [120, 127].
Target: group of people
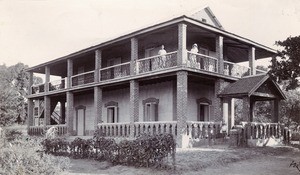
[191, 62]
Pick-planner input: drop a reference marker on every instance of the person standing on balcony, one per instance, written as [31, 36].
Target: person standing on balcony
[193, 57]
[162, 59]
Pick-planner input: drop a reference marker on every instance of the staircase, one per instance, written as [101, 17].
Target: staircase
[55, 118]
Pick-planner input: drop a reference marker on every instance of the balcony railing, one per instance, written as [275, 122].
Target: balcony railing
[235, 70]
[155, 63]
[58, 84]
[38, 88]
[83, 78]
[202, 62]
[116, 71]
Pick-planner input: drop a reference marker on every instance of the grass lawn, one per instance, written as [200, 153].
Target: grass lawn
[188, 161]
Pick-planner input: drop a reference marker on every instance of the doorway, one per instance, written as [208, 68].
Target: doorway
[80, 120]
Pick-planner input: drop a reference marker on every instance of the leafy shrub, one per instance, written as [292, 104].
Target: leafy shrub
[24, 156]
[12, 134]
[144, 151]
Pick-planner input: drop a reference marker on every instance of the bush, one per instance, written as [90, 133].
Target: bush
[25, 156]
[144, 151]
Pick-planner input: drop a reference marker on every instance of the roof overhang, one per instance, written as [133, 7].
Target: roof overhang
[172, 22]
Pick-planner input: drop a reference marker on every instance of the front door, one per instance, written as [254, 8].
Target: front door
[203, 112]
[80, 122]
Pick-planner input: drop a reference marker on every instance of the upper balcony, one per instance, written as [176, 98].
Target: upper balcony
[137, 55]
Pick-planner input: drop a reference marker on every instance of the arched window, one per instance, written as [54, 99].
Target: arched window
[203, 105]
[150, 106]
[112, 112]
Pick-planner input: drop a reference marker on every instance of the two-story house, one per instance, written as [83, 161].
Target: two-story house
[177, 76]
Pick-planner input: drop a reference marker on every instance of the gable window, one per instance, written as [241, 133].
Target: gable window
[203, 105]
[112, 112]
[150, 106]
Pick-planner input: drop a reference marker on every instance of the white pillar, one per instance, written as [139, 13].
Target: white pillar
[232, 112]
[225, 113]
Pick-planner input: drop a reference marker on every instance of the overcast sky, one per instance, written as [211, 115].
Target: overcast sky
[36, 31]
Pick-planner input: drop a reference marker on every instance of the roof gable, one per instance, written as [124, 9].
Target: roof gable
[206, 16]
[253, 85]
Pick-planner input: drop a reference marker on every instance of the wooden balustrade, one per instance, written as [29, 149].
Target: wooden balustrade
[202, 62]
[236, 70]
[40, 130]
[38, 88]
[58, 84]
[116, 71]
[83, 78]
[157, 62]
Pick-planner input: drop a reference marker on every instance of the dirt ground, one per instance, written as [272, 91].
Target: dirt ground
[205, 161]
[266, 165]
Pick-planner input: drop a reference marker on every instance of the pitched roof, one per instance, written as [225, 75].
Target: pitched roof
[192, 18]
[248, 85]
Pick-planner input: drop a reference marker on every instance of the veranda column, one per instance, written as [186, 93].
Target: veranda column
[47, 78]
[246, 109]
[30, 113]
[63, 111]
[181, 109]
[47, 100]
[97, 106]
[219, 54]
[47, 110]
[134, 56]
[98, 59]
[220, 84]
[182, 54]
[134, 105]
[69, 72]
[30, 82]
[276, 111]
[70, 112]
[251, 57]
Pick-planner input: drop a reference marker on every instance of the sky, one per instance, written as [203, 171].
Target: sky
[36, 31]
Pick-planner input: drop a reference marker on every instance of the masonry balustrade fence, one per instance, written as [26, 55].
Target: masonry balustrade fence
[252, 130]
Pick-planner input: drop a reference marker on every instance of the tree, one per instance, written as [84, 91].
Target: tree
[14, 81]
[290, 109]
[286, 66]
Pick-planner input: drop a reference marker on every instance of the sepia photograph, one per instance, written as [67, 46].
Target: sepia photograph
[152, 87]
